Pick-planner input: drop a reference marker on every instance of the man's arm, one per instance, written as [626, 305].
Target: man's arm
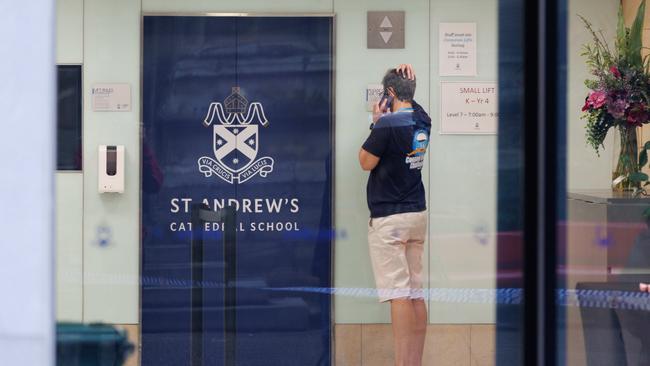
[367, 160]
[376, 142]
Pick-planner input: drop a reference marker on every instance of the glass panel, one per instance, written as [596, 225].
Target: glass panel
[603, 260]
[510, 214]
[264, 109]
[69, 117]
[284, 247]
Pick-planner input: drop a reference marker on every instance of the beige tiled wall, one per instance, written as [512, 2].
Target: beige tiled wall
[453, 345]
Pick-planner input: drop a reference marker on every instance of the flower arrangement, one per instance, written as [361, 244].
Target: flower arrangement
[619, 96]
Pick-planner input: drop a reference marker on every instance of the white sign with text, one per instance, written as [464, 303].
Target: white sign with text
[457, 49]
[374, 92]
[468, 107]
[114, 97]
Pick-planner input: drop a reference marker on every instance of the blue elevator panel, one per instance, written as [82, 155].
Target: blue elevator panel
[238, 111]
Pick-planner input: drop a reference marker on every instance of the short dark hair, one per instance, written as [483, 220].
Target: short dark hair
[403, 87]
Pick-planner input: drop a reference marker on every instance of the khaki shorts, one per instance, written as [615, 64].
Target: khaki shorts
[396, 247]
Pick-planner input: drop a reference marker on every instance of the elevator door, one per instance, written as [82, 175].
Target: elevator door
[237, 112]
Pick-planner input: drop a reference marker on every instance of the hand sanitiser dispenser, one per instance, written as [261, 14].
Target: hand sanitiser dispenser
[111, 168]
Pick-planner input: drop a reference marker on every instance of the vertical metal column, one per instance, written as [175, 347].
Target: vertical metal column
[532, 73]
[544, 96]
[230, 282]
[196, 307]
[201, 214]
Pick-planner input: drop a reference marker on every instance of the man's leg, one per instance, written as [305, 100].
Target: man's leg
[419, 331]
[403, 319]
[414, 254]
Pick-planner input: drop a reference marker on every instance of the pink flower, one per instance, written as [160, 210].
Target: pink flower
[614, 71]
[596, 99]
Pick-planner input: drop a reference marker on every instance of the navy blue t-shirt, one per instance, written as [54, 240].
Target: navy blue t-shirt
[400, 140]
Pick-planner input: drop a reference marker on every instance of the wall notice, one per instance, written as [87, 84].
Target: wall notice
[468, 108]
[374, 92]
[111, 97]
[457, 49]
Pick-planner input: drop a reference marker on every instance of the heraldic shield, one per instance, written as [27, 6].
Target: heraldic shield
[236, 140]
[235, 147]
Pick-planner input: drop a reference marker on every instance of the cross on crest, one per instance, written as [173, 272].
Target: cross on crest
[235, 152]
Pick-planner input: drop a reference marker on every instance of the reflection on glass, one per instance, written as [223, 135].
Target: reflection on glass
[224, 100]
[604, 262]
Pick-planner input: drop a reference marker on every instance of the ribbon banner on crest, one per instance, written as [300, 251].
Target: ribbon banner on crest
[209, 167]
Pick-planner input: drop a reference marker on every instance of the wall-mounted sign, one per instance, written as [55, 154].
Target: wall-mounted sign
[468, 107]
[386, 29]
[111, 97]
[374, 92]
[457, 49]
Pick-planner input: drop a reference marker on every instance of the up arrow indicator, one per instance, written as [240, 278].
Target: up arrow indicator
[386, 36]
[386, 23]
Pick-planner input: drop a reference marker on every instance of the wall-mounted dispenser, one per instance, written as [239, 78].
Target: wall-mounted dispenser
[111, 168]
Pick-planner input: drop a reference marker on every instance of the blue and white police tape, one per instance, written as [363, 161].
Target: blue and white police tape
[610, 299]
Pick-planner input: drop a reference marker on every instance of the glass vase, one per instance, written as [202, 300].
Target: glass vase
[626, 153]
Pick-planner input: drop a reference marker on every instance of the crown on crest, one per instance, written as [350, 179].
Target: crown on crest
[235, 102]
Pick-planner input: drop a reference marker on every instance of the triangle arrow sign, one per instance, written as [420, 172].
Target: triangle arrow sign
[386, 23]
[386, 36]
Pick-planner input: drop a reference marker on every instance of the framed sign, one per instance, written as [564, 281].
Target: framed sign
[468, 107]
[457, 49]
[111, 97]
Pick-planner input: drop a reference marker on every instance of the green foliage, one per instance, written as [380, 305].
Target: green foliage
[620, 89]
[598, 125]
[597, 54]
[620, 31]
[638, 177]
[643, 157]
[633, 54]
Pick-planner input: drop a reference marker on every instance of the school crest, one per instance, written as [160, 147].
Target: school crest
[235, 140]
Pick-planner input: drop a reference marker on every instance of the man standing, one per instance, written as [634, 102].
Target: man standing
[394, 155]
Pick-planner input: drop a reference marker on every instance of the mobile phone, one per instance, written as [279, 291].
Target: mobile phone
[389, 99]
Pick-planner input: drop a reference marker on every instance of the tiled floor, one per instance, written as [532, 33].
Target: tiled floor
[376, 345]
[482, 345]
[454, 345]
[133, 332]
[372, 345]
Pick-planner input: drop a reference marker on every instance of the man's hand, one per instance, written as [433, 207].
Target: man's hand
[406, 70]
[379, 110]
